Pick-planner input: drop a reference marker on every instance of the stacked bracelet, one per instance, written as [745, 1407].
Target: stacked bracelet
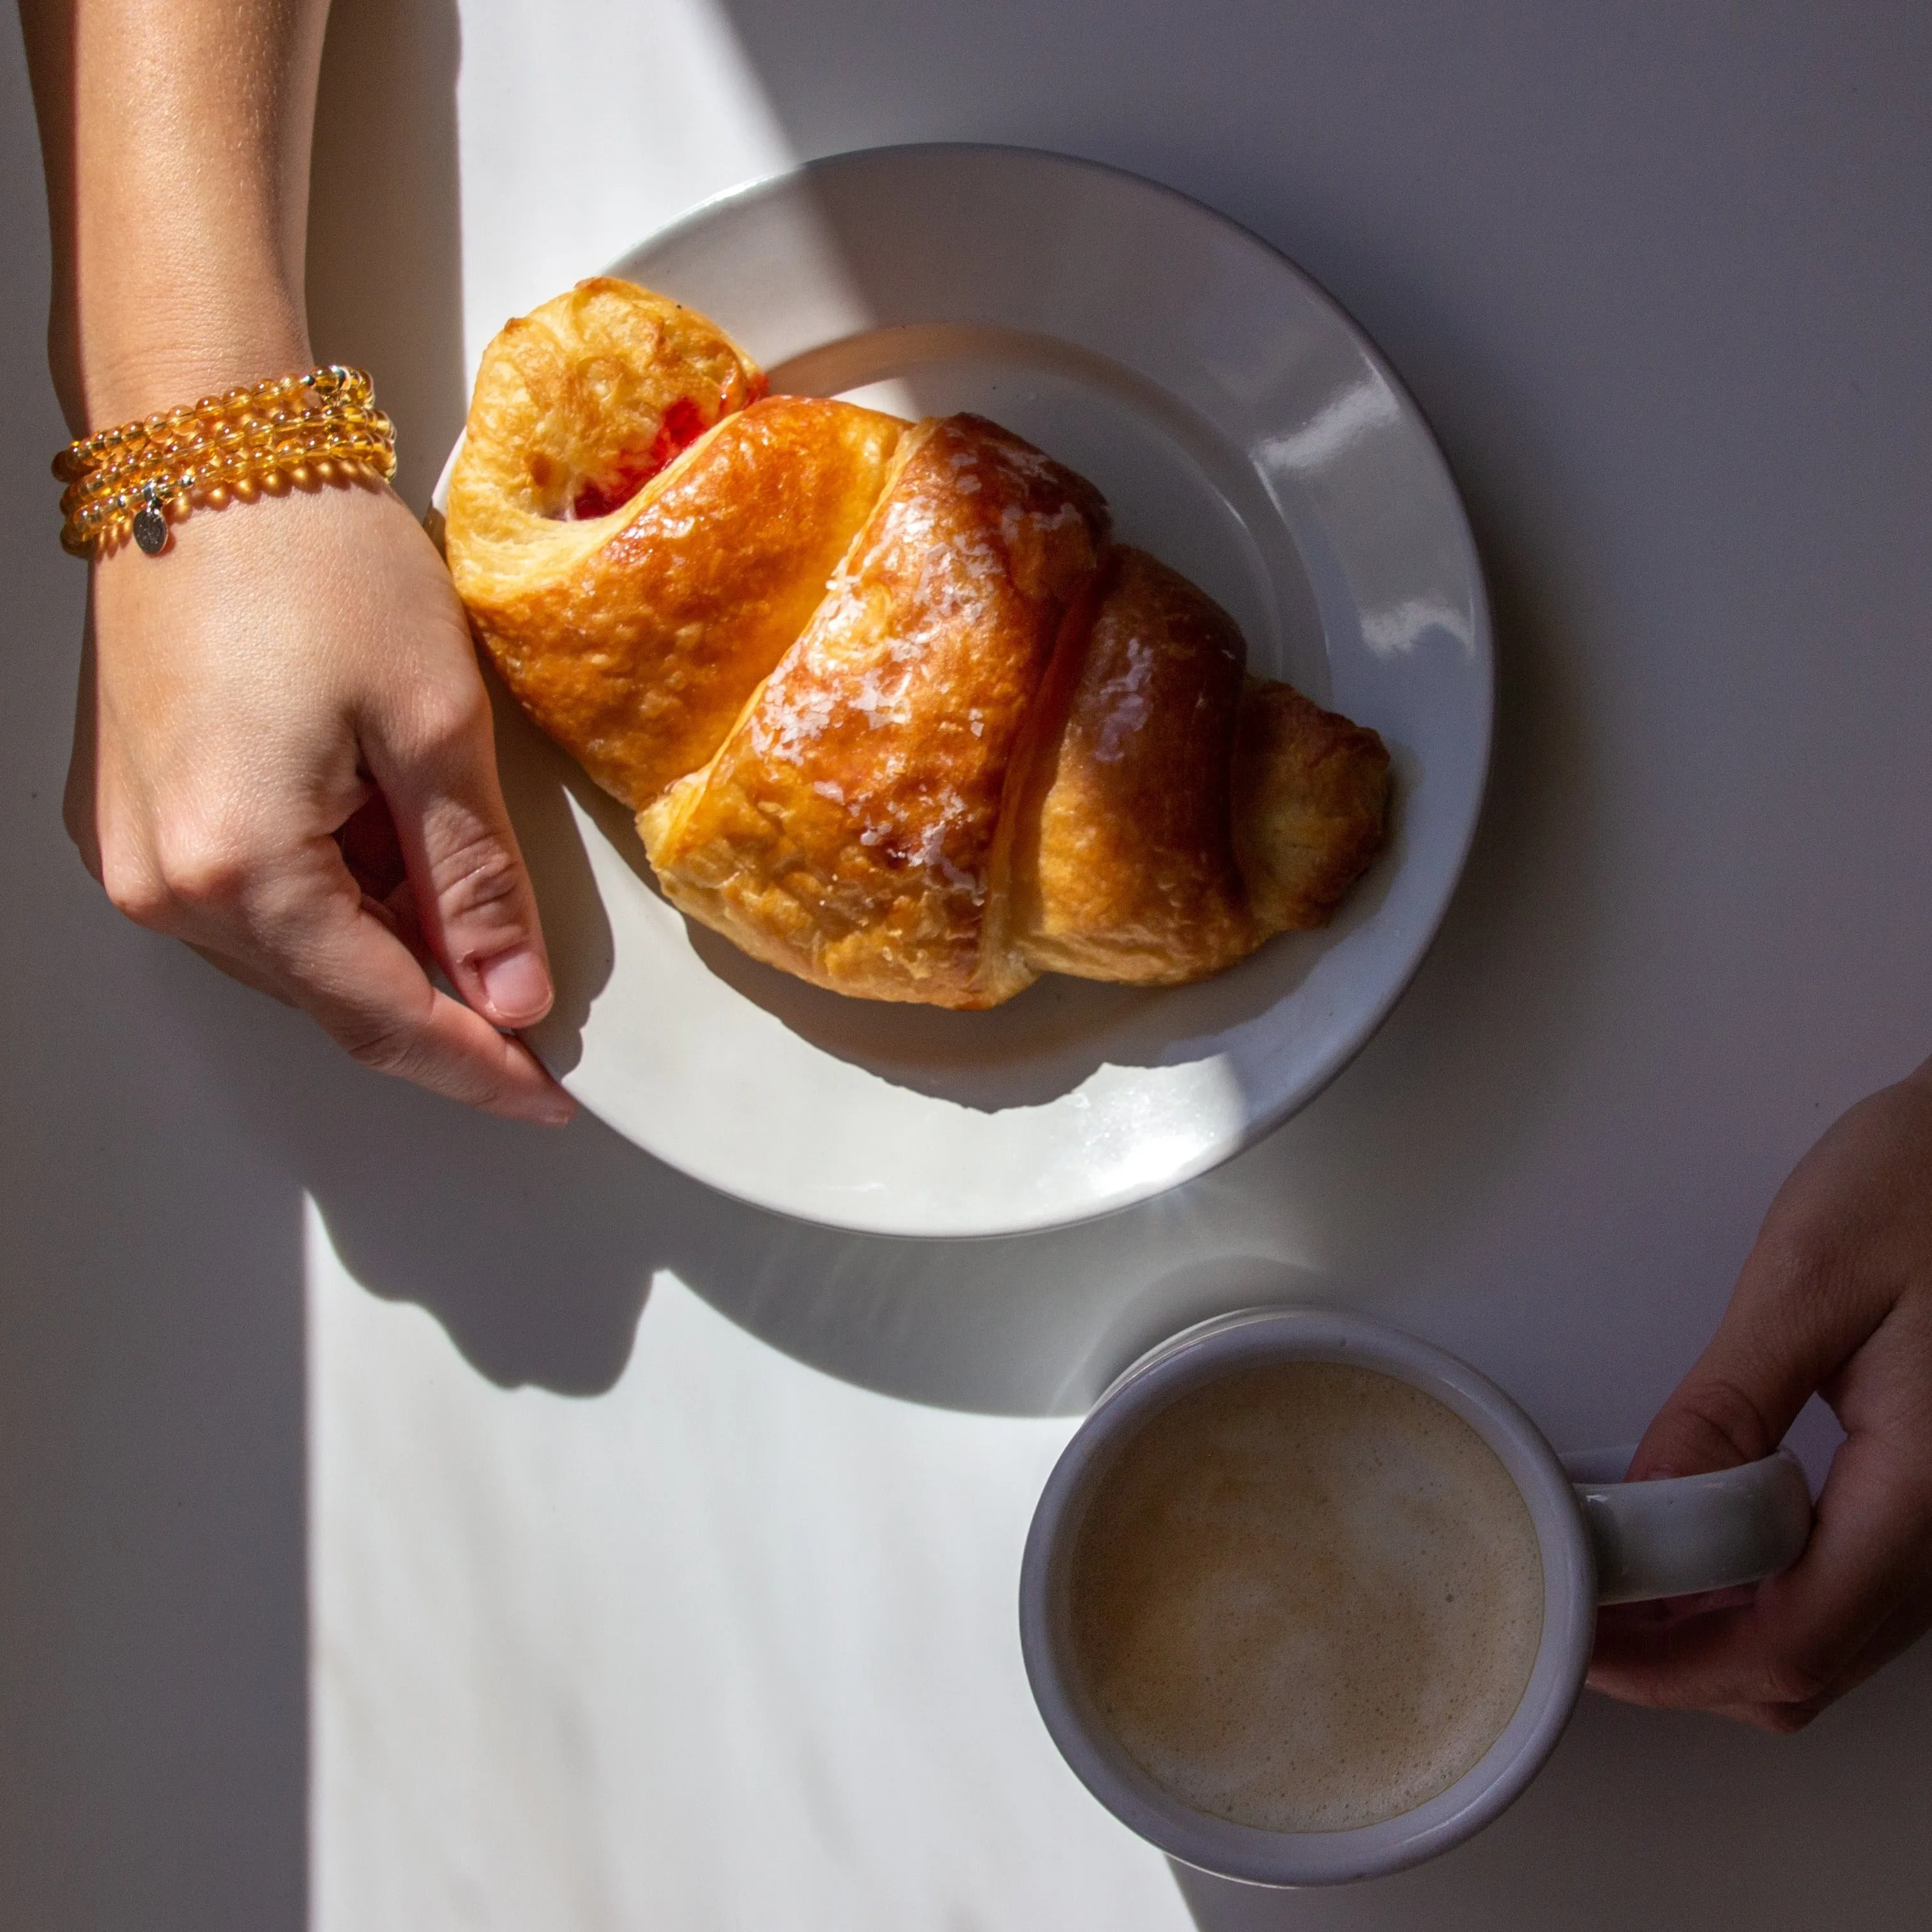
[137, 475]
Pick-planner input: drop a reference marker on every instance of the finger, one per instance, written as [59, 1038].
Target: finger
[472, 896]
[1905, 1625]
[315, 933]
[1803, 1632]
[1899, 1631]
[383, 1009]
[1640, 1617]
[1742, 1393]
[1796, 1315]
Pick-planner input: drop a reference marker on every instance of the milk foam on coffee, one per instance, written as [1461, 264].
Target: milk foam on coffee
[1307, 1597]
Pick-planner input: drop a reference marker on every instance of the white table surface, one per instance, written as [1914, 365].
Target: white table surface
[412, 1521]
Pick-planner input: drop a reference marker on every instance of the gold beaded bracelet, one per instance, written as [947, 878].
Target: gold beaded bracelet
[292, 426]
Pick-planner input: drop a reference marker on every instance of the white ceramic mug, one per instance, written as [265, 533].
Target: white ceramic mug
[1601, 1542]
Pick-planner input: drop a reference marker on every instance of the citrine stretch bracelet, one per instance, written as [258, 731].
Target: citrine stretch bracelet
[142, 476]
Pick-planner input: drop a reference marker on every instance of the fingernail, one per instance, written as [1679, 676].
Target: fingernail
[553, 1108]
[516, 984]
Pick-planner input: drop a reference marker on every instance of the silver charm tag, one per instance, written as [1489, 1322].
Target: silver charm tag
[151, 528]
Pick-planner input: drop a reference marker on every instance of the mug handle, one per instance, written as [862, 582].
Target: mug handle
[1681, 1534]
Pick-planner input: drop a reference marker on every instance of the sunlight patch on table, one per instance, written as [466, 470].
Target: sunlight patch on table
[734, 1645]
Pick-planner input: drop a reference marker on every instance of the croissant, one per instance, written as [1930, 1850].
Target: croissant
[895, 713]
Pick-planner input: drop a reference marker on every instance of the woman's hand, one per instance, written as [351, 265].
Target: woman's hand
[1835, 1297]
[291, 680]
[286, 669]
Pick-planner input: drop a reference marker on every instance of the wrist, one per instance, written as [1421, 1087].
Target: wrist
[124, 361]
[176, 140]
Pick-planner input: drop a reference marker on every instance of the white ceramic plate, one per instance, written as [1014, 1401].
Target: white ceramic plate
[1243, 431]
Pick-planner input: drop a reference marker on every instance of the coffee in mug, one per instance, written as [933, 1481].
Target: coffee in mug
[1305, 1598]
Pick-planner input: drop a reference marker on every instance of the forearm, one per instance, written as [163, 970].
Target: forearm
[176, 137]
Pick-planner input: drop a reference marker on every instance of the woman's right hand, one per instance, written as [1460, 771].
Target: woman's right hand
[285, 669]
[1835, 1297]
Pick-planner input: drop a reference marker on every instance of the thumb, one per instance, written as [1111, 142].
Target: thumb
[1719, 1416]
[1773, 1348]
[1841, 1243]
[474, 903]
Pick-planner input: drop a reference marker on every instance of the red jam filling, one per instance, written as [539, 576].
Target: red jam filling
[683, 424]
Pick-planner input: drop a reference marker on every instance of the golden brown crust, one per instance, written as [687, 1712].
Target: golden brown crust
[639, 655]
[1311, 805]
[850, 830]
[1123, 860]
